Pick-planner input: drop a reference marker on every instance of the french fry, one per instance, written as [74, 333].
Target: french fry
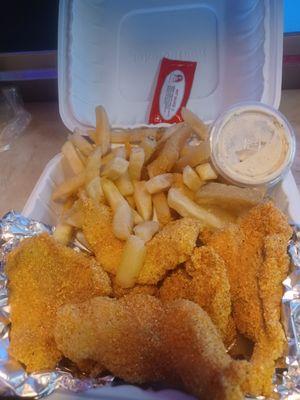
[146, 230]
[68, 187]
[168, 133]
[123, 221]
[93, 165]
[186, 149]
[149, 146]
[131, 262]
[94, 189]
[115, 168]
[206, 172]
[161, 208]
[102, 133]
[134, 135]
[119, 151]
[92, 135]
[179, 184]
[63, 233]
[81, 143]
[228, 216]
[114, 198]
[142, 200]
[163, 137]
[130, 200]
[191, 179]
[71, 155]
[169, 154]
[195, 122]
[188, 208]
[108, 157]
[125, 185]
[136, 162]
[159, 183]
[137, 219]
[112, 194]
[82, 157]
[228, 196]
[194, 156]
[154, 216]
[128, 148]
[177, 180]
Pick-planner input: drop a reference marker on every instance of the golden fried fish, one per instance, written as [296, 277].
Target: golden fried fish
[44, 275]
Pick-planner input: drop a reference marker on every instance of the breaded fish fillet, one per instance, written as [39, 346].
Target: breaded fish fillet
[227, 242]
[139, 339]
[274, 270]
[204, 281]
[256, 226]
[168, 248]
[121, 335]
[196, 355]
[242, 248]
[255, 254]
[43, 275]
[271, 342]
[97, 229]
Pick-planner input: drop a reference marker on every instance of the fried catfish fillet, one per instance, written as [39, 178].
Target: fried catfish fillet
[121, 335]
[196, 355]
[140, 339]
[98, 231]
[255, 227]
[256, 259]
[271, 342]
[43, 275]
[168, 248]
[204, 281]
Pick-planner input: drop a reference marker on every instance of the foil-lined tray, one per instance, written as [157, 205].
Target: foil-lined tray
[14, 381]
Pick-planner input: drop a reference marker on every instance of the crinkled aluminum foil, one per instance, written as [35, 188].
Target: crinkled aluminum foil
[15, 381]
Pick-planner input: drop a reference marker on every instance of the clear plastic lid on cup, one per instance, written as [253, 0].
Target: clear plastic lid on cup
[252, 144]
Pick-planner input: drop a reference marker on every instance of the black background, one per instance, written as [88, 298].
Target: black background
[28, 25]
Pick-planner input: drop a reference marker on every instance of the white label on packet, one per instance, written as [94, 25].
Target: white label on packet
[171, 94]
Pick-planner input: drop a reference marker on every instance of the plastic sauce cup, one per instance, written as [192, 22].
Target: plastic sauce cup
[252, 144]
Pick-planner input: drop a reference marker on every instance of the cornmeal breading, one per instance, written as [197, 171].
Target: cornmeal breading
[256, 259]
[119, 334]
[140, 339]
[44, 275]
[168, 248]
[97, 229]
[204, 281]
[197, 356]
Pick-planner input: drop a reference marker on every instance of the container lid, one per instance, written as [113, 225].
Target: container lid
[109, 53]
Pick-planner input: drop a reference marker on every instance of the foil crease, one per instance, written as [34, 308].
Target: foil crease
[14, 381]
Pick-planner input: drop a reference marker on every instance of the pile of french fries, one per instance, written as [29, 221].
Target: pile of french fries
[148, 177]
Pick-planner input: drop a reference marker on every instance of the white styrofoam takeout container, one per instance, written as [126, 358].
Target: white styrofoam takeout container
[109, 53]
[110, 50]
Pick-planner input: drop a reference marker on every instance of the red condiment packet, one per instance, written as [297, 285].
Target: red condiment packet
[174, 83]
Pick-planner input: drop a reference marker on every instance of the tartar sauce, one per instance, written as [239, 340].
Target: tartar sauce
[252, 145]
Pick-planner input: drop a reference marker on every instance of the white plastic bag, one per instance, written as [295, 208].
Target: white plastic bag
[13, 117]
